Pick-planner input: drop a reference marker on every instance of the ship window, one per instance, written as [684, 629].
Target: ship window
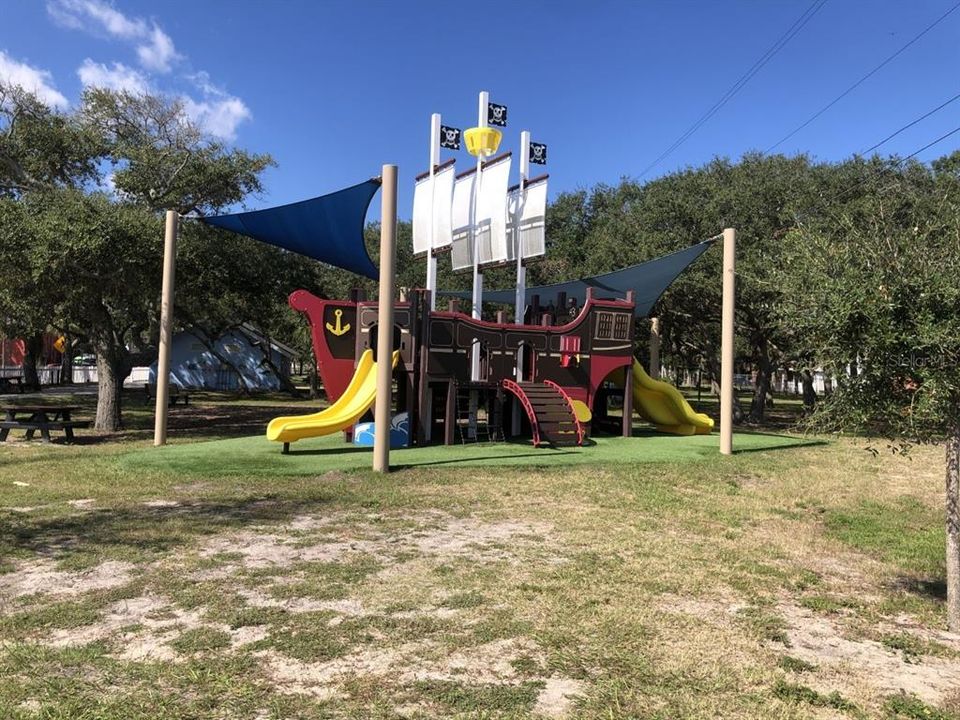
[604, 325]
[621, 326]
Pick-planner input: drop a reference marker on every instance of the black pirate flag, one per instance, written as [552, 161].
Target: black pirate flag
[449, 137]
[538, 153]
[497, 114]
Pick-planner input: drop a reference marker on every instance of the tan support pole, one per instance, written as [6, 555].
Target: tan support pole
[388, 261]
[655, 348]
[726, 340]
[166, 328]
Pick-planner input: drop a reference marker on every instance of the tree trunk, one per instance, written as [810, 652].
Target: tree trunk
[809, 394]
[210, 343]
[761, 391]
[713, 370]
[66, 362]
[286, 384]
[314, 381]
[953, 530]
[33, 348]
[113, 366]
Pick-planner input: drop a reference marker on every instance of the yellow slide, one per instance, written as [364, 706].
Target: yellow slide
[347, 410]
[663, 405]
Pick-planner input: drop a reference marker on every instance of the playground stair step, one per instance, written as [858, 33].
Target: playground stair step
[555, 420]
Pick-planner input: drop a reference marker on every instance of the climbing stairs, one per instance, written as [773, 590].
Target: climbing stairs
[550, 412]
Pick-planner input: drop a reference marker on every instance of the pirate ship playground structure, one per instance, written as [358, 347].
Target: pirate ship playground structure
[547, 374]
[566, 365]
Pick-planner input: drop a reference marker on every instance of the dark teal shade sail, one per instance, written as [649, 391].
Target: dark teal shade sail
[328, 228]
[648, 281]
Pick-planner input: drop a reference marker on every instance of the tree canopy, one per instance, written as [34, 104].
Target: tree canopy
[81, 195]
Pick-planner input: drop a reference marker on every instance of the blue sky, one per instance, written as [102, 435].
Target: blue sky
[335, 89]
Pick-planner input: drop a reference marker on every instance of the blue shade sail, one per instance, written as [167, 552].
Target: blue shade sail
[648, 281]
[328, 228]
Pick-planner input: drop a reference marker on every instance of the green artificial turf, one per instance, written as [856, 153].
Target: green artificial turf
[246, 455]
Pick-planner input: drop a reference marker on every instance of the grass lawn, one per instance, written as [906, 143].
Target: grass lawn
[638, 578]
[236, 456]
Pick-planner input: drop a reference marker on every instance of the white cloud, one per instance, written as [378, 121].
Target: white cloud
[158, 54]
[78, 14]
[218, 116]
[35, 80]
[155, 48]
[203, 82]
[119, 77]
[215, 111]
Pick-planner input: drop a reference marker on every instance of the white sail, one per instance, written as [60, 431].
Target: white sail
[492, 212]
[443, 206]
[432, 198]
[461, 254]
[422, 214]
[527, 213]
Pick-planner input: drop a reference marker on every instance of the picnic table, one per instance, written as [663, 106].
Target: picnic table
[39, 417]
[11, 383]
[174, 395]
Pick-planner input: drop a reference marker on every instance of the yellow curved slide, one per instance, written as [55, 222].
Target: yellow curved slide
[347, 410]
[662, 404]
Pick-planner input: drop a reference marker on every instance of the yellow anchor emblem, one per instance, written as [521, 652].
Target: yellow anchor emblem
[338, 329]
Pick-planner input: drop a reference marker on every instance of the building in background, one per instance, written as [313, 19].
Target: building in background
[242, 358]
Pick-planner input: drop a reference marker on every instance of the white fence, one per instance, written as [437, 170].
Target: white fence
[82, 375]
[785, 383]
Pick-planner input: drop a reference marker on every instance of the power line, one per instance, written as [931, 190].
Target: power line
[850, 89]
[929, 145]
[743, 80]
[909, 125]
[896, 164]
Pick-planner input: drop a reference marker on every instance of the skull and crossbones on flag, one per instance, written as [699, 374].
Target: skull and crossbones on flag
[449, 137]
[497, 114]
[538, 153]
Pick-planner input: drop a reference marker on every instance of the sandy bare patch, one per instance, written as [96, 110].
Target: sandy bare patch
[247, 635]
[820, 641]
[305, 523]
[24, 509]
[143, 628]
[217, 573]
[720, 608]
[136, 611]
[41, 576]
[159, 623]
[406, 663]
[346, 607]
[443, 536]
[263, 550]
[865, 667]
[488, 663]
[432, 611]
[160, 503]
[82, 504]
[557, 697]
[907, 623]
[470, 536]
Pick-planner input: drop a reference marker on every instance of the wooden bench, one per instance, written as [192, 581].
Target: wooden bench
[175, 395]
[66, 426]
